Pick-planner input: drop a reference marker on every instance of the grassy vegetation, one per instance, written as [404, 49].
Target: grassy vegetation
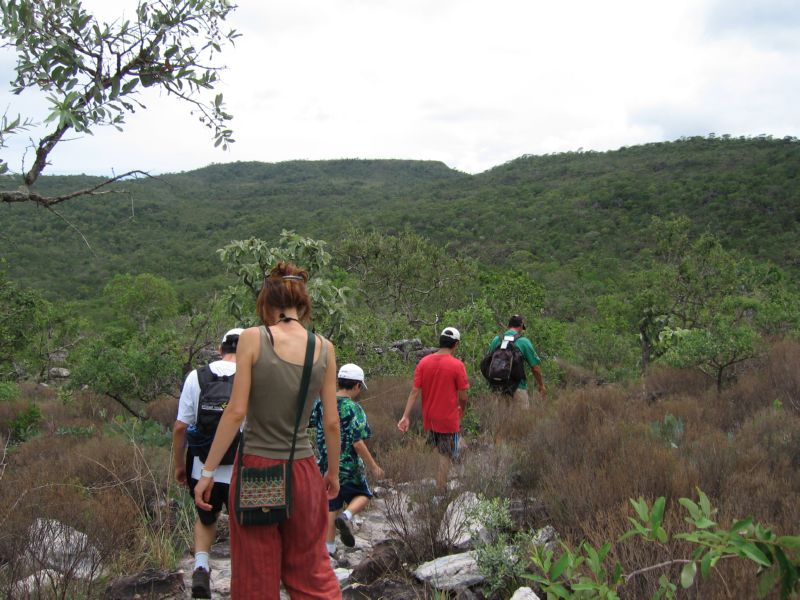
[575, 461]
[572, 462]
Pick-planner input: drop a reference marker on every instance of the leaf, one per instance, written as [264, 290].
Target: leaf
[661, 535]
[129, 85]
[753, 553]
[790, 541]
[703, 523]
[657, 514]
[560, 565]
[705, 564]
[592, 558]
[693, 509]
[766, 581]
[558, 590]
[687, 574]
[705, 505]
[742, 526]
[603, 551]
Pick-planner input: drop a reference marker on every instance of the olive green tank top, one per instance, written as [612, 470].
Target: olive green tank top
[272, 409]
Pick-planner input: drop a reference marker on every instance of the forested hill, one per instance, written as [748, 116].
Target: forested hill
[587, 210]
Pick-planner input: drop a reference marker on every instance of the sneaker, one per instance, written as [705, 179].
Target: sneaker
[345, 533]
[201, 583]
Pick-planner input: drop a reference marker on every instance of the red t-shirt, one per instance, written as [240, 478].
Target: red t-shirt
[440, 377]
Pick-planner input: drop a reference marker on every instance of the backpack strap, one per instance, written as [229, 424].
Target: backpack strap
[204, 377]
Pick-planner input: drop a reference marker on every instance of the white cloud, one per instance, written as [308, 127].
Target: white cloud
[468, 82]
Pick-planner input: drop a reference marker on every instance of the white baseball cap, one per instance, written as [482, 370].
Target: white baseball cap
[353, 373]
[452, 333]
[237, 331]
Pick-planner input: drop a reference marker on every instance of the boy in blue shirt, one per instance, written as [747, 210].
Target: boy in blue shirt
[353, 487]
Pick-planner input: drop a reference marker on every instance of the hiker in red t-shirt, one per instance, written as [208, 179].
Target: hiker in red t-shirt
[442, 380]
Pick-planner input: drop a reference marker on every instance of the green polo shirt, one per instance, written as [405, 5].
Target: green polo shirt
[525, 346]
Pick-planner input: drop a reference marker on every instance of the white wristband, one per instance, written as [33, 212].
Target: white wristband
[204, 473]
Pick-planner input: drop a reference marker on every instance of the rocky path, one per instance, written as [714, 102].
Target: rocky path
[370, 529]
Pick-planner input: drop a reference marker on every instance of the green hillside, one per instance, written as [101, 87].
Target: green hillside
[557, 216]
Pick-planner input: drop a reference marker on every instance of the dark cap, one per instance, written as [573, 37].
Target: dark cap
[516, 321]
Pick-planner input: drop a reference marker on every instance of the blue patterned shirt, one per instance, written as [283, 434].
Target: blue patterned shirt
[354, 427]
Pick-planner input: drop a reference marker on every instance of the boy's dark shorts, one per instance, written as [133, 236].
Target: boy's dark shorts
[445, 443]
[348, 491]
[219, 496]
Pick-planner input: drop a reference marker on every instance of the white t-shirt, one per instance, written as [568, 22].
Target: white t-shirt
[187, 413]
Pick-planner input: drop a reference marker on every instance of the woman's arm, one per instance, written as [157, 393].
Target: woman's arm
[330, 424]
[179, 451]
[246, 353]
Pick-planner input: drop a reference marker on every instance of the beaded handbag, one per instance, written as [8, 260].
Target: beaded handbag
[264, 494]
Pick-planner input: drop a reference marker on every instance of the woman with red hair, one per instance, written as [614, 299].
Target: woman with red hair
[269, 362]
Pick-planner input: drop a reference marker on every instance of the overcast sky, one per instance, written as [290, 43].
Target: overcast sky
[470, 83]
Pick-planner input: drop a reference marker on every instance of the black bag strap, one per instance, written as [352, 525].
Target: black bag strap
[301, 401]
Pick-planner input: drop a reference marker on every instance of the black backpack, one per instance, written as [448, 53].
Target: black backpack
[504, 367]
[215, 391]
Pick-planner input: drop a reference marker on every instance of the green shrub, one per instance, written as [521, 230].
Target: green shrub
[144, 432]
[670, 430]
[77, 431]
[26, 424]
[501, 555]
[9, 391]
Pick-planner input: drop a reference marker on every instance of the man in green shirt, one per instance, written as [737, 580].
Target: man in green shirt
[516, 325]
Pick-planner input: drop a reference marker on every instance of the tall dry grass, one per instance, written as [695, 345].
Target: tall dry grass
[572, 462]
[590, 450]
[74, 475]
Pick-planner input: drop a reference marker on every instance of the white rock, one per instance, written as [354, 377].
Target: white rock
[456, 528]
[450, 572]
[342, 574]
[58, 546]
[59, 373]
[524, 593]
[42, 583]
[546, 536]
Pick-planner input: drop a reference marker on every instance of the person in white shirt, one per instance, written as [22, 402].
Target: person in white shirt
[192, 435]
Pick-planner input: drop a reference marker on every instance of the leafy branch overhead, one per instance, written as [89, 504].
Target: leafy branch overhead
[92, 72]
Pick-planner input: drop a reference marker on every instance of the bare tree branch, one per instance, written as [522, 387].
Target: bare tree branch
[49, 201]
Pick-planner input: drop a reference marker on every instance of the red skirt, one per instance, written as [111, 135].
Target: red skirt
[292, 552]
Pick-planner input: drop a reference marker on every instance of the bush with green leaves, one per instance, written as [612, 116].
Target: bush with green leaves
[583, 572]
[252, 259]
[9, 391]
[501, 553]
[139, 431]
[669, 430]
[26, 424]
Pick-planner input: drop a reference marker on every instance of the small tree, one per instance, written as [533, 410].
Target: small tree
[139, 300]
[137, 355]
[18, 309]
[405, 274]
[713, 350]
[132, 370]
[252, 259]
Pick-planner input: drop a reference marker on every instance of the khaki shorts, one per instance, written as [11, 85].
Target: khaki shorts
[521, 398]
